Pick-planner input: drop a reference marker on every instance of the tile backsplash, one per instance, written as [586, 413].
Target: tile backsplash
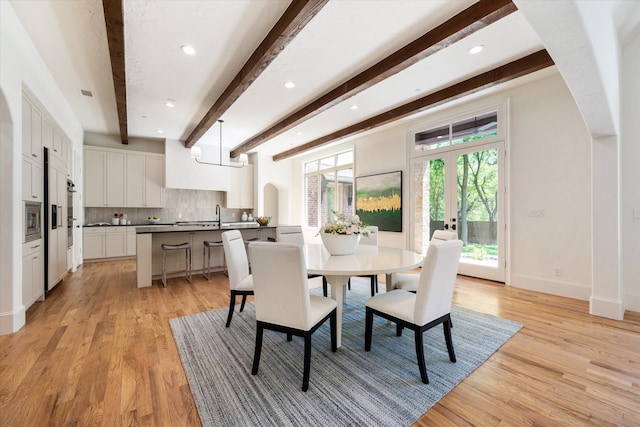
[180, 205]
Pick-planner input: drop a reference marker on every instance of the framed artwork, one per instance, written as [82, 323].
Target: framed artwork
[379, 200]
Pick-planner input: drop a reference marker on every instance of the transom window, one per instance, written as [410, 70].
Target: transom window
[470, 129]
[328, 187]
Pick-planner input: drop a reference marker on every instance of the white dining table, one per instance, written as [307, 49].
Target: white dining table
[367, 260]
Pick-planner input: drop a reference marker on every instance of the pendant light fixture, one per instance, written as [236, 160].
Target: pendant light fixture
[196, 153]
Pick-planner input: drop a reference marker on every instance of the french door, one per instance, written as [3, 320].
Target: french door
[463, 190]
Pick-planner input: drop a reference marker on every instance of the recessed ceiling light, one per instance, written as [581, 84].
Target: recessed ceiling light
[188, 49]
[476, 49]
[170, 102]
[86, 92]
[299, 132]
[144, 116]
[354, 107]
[289, 85]
[159, 131]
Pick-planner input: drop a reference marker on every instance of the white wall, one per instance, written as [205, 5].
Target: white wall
[631, 174]
[22, 67]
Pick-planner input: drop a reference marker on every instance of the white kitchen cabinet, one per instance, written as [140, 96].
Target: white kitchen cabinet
[104, 178]
[108, 242]
[145, 180]
[154, 181]
[240, 194]
[94, 176]
[31, 131]
[93, 245]
[32, 180]
[115, 178]
[32, 272]
[115, 242]
[58, 240]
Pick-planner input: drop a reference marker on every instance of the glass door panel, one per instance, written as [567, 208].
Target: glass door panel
[460, 190]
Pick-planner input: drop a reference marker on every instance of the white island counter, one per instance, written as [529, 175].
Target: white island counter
[150, 238]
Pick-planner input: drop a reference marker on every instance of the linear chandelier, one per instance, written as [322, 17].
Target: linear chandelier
[196, 154]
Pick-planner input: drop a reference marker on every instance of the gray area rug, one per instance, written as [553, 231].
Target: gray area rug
[349, 387]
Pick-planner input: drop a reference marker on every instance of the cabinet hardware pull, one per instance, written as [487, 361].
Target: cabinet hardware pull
[36, 246]
[34, 155]
[35, 197]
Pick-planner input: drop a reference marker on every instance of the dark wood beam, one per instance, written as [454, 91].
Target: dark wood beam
[470, 20]
[294, 19]
[518, 68]
[114, 20]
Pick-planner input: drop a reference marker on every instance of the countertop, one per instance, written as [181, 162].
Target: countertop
[174, 228]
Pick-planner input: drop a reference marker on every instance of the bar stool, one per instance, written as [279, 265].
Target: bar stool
[187, 267]
[206, 256]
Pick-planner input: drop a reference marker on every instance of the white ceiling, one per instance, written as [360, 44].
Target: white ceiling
[346, 37]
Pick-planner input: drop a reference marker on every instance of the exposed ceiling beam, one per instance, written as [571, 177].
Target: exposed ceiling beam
[298, 14]
[518, 68]
[470, 20]
[114, 21]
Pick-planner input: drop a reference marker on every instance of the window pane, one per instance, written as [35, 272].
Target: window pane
[327, 162]
[327, 197]
[478, 206]
[345, 191]
[432, 138]
[475, 128]
[311, 166]
[345, 158]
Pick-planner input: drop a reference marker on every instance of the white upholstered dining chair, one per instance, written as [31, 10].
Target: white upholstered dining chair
[428, 307]
[283, 302]
[409, 281]
[371, 239]
[240, 281]
[293, 234]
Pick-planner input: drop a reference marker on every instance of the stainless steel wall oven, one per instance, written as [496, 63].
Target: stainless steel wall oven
[32, 221]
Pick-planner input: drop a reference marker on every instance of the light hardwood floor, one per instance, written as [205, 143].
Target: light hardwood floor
[99, 351]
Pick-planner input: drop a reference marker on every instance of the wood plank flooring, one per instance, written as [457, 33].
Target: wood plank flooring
[99, 351]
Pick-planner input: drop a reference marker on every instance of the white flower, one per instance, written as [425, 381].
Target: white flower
[344, 224]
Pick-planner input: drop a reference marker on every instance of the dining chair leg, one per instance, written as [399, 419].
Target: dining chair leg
[420, 356]
[258, 349]
[307, 362]
[324, 286]
[447, 337]
[232, 304]
[289, 337]
[334, 334]
[244, 300]
[399, 329]
[368, 329]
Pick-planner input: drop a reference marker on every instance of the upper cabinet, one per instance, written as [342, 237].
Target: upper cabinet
[31, 132]
[145, 180]
[240, 194]
[120, 178]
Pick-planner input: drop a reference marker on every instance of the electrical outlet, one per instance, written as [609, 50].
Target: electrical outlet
[557, 272]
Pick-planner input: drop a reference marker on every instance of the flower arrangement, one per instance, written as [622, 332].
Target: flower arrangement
[344, 224]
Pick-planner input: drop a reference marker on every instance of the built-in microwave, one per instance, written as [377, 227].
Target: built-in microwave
[32, 221]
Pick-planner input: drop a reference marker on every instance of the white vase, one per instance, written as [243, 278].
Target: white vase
[340, 244]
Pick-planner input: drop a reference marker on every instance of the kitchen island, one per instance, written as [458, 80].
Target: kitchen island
[150, 238]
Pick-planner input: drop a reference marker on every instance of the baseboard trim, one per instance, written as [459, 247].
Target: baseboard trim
[553, 287]
[12, 321]
[606, 307]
